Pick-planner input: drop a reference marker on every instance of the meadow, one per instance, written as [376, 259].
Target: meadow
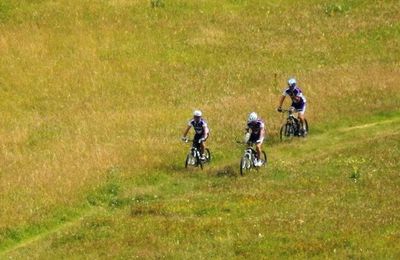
[94, 97]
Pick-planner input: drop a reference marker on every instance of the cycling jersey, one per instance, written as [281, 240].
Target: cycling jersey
[298, 99]
[255, 127]
[199, 127]
[296, 95]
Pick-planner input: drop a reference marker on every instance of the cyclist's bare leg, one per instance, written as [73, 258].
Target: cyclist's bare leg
[302, 121]
[202, 148]
[258, 149]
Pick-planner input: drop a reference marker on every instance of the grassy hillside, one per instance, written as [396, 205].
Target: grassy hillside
[94, 96]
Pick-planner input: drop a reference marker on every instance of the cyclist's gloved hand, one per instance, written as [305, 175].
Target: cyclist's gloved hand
[279, 109]
[258, 142]
[184, 138]
[201, 140]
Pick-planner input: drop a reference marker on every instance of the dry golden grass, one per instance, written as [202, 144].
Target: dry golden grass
[91, 86]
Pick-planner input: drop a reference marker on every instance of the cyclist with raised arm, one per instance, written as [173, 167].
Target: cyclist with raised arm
[299, 102]
[255, 133]
[201, 131]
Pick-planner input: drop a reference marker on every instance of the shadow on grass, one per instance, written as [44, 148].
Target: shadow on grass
[227, 171]
[145, 209]
[180, 168]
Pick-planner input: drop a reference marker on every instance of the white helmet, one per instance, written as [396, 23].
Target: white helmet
[292, 82]
[197, 113]
[252, 117]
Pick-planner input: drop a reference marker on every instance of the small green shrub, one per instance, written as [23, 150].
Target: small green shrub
[5, 8]
[334, 9]
[157, 3]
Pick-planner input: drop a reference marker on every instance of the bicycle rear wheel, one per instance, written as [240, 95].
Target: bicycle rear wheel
[305, 121]
[199, 162]
[245, 165]
[207, 154]
[264, 157]
[301, 131]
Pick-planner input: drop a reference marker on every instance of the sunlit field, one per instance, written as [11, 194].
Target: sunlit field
[95, 95]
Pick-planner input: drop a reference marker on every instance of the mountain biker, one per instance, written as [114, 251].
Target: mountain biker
[299, 102]
[255, 133]
[201, 131]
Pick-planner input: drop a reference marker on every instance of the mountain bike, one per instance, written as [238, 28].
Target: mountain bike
[292, 126]
[193, 158]
[247, 162]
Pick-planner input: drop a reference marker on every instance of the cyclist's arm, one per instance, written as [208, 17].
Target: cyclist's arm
[206, 131]
[186, 130]
[281, 100]
[262, 134]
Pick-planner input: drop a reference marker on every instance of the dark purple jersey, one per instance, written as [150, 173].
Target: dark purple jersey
[199, 127]
[256, 126]
[296, 95]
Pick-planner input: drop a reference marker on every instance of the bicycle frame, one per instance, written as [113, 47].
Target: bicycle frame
[195, 149]
[250, 153]
[248, 159]
[194, 157]
[195, 152]
[292, 120]
[293, 126]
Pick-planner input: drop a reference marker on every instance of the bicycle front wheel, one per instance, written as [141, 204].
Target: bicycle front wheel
[245, 165]
[286, 132]
[189, 160]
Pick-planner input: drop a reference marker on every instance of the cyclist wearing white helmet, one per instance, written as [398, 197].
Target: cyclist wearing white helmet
[299, 101]
[255, 133]
[201, 131]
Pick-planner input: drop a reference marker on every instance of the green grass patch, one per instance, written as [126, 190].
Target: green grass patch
[95, 96]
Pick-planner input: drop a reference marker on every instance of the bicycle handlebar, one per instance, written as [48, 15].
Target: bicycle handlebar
[288, 110]
[245, 143]
[191, 140]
